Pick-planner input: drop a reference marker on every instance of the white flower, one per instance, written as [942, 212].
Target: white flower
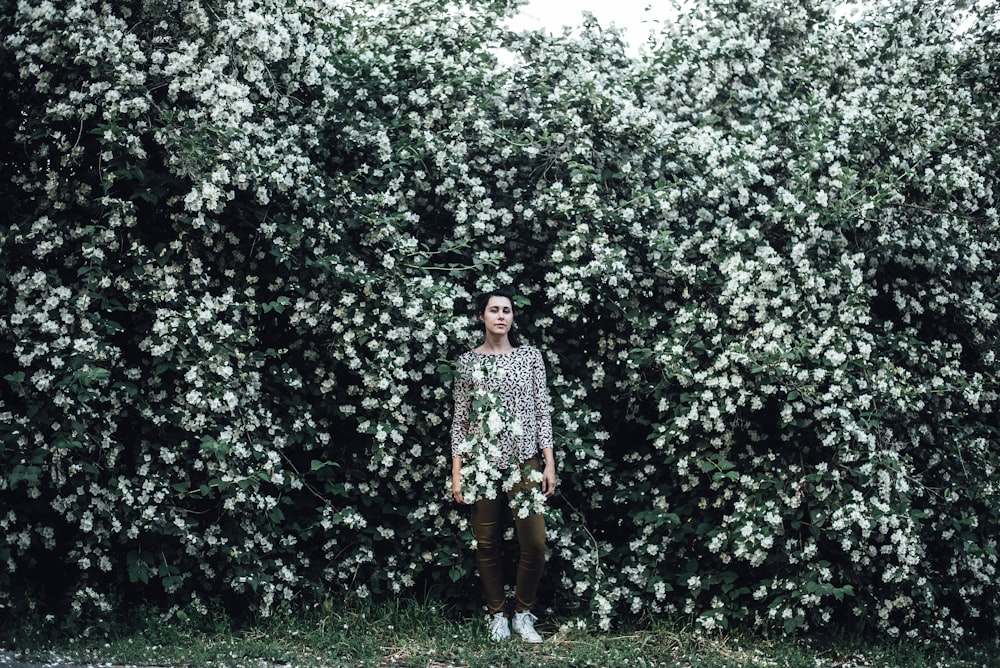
[495, 423]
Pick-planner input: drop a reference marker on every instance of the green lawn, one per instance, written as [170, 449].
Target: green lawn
[412, 635]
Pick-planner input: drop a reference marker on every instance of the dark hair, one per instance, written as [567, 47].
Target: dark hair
[483, 301]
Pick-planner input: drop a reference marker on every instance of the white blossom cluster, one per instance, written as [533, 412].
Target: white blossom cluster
[243, 237]
[483, 477]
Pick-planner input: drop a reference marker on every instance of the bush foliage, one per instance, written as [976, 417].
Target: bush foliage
[241, 237]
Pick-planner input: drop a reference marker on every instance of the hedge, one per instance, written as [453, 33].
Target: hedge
[241, 240]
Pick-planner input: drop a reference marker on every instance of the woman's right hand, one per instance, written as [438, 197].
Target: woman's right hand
[456, 480]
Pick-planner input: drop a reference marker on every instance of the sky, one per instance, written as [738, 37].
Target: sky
[632, 15]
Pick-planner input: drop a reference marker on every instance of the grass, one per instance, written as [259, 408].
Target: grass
[410, 635]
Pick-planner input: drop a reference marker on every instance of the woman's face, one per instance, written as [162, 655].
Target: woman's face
[498, 317]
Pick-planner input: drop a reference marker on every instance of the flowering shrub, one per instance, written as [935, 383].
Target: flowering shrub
[241, 239]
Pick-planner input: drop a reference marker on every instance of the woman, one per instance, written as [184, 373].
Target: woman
[520, 381]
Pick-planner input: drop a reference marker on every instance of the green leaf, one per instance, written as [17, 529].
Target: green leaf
[24, 474]
[316, 465]
[15, 378]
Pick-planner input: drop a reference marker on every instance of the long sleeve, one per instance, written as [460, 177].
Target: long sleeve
[460, 413]
[543, 411]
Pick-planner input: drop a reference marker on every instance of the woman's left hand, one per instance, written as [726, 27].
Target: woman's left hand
[549, 479]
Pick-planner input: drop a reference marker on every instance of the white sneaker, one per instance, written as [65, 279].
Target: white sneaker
[499, 631]
[524, 626]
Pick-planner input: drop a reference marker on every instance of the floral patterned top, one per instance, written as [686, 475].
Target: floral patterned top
[519, 378]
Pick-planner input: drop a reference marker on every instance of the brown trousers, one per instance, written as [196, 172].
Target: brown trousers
[488, 530]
